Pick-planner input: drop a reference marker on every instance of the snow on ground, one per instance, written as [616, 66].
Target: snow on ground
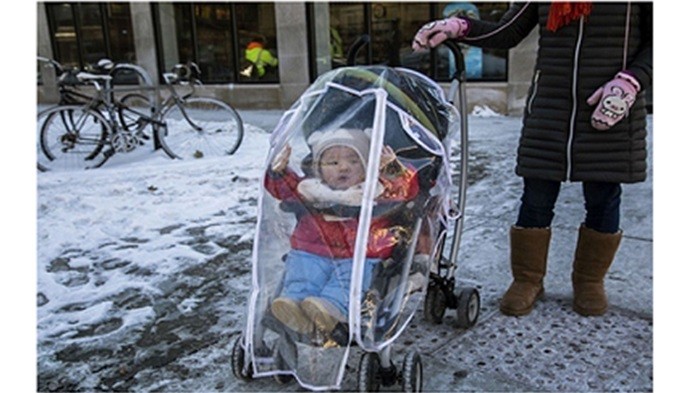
[143, 271]
[111, 240]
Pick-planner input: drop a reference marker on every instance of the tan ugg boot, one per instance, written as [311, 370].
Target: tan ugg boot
[595, 252]
[528, 262]
[289, 313]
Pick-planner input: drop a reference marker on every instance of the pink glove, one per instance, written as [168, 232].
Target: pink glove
[436, 32]
[617, 95]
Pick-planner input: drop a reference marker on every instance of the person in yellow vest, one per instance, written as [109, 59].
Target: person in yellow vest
[256, 53]
[336, 44]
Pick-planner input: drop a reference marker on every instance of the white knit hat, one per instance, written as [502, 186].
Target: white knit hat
[356, 139]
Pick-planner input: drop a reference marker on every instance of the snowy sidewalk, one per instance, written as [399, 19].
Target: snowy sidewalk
[144, 268]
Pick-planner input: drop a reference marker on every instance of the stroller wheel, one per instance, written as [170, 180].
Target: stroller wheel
[468, 305]
[435, 304]
[412, 373]
[241, 369]
[368, 378]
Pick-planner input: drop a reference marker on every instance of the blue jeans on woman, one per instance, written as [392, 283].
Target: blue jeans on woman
[602, 203]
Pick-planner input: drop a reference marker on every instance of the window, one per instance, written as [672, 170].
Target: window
[63, 34]
[391, 26]
[347, 24]
[217, 37]
[257, 38]
[120, 33]
[213, 40]
[83, 33]
[91, 33]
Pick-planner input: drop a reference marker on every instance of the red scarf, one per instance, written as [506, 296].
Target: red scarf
[561, 13]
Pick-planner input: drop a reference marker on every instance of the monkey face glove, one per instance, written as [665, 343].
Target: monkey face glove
[436, 32]
[614, 100]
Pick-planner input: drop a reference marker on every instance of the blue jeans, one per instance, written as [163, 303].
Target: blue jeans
[308, 274]
[602, 203]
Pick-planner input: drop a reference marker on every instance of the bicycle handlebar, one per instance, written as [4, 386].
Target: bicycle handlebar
[196, 69]
[56, 65]
[103, 67]
[355, 48]
[461, 69]
[187, 73]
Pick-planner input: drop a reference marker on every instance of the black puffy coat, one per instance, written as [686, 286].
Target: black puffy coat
[558, 141]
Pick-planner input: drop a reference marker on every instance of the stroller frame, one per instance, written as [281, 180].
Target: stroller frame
[376, 368]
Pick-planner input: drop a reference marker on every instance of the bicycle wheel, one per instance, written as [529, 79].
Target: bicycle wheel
[132, 109]
[135, 113]
[72, 137]
[40, 157]
[201, 127]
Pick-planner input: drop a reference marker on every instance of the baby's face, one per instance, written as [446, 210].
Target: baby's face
[341, 167]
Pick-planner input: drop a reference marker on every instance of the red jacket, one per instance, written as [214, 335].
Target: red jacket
[336, 238]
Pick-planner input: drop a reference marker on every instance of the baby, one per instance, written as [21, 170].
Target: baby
[318, 269]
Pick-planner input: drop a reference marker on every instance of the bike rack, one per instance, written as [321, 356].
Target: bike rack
[151, 85]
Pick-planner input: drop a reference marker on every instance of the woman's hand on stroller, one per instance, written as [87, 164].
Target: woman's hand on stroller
[436, 32]
[279, 163]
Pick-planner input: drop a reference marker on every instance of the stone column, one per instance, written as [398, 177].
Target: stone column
[293, 50]
[144, 38]
[169, 34]
[48, 91]
[42, 32]
[322, 34]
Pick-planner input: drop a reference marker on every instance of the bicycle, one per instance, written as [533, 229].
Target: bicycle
[196, 126]
[84, 131]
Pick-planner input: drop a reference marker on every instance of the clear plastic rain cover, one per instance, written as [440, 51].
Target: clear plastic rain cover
[352, 211]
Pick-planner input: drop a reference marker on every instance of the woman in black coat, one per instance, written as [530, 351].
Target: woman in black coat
[584, 120]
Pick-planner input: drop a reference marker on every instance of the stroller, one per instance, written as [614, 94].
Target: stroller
[407, 112]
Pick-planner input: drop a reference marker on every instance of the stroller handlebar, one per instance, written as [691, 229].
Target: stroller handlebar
[461, 73]
[355, 48]
[364, 39]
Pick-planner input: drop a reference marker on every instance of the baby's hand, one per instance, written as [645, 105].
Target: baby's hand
[279, 163]
[389, 165]
[388, 156]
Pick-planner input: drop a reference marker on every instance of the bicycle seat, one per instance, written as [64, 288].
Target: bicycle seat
[69, 78]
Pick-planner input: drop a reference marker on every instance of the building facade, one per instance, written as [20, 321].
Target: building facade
[298, 41]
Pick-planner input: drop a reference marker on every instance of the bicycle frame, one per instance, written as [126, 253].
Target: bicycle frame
[176, 99]
[118, 136]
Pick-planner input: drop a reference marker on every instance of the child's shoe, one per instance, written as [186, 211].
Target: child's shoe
[289, 313]
[323, 314]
